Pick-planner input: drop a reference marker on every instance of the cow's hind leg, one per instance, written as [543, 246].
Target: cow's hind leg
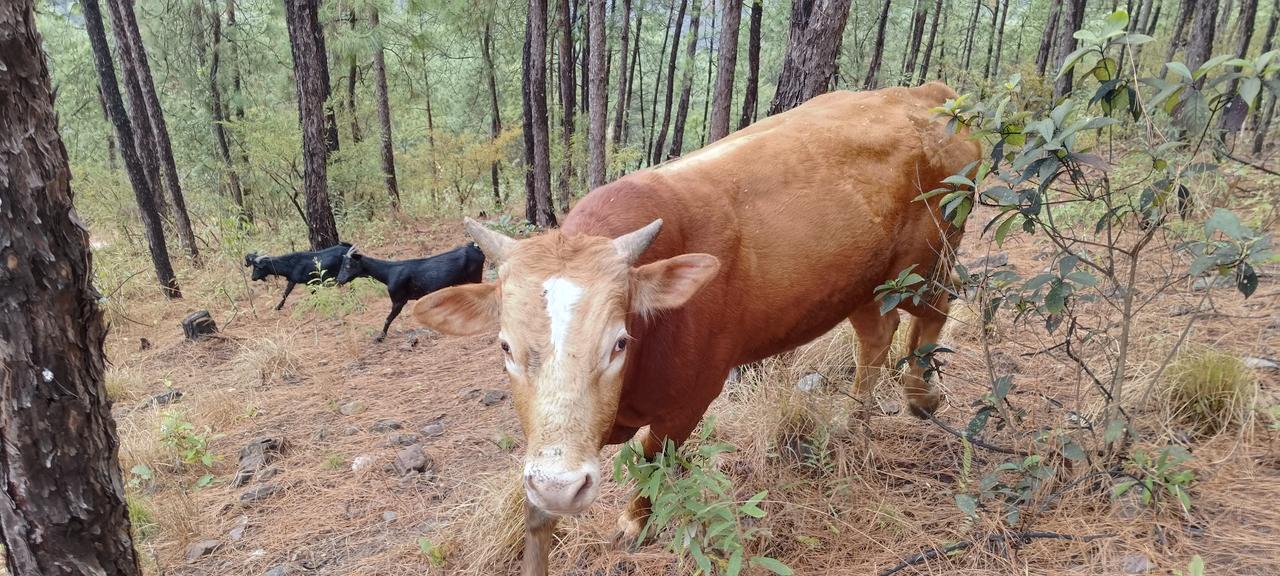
[875, 338]
[926, 324]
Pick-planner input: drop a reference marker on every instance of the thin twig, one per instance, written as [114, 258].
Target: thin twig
[975, 440]
[1017, 537]
[1257, 167]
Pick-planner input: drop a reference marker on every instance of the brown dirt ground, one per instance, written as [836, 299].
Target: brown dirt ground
[887, 496]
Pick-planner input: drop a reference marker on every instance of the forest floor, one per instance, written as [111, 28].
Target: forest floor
[343, 407]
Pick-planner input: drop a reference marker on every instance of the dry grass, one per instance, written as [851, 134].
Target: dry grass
[1209, 390]
[269, 360]
[489, 532]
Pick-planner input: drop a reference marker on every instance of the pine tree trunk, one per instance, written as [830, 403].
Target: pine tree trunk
[711, 57]
[155, 114]
[1200, 45]
[912, 48]
[143, 136]
[353, 75]
[817, 27]
[215, 112]
[538, 207]
[686, 83]
[133, 165]
[598, 84]
[1046, 40]
[1186, 10]
[624, 73]
[995, 68]
[312, 81]
[1232, 119]
[584, 102]
[495, 115]
[877, 51]
[933, 34]
[237, 94]
[941, 70]
[722, 94]
[384, 115]
[656, 152]
[63, 508]
[111, 137]
[991, 41]
[1072, 18]
[1261, 118]
[657, 86]
[1225, 13]
[625, 109]
[752, 95]
[568, 106]
[970, 34]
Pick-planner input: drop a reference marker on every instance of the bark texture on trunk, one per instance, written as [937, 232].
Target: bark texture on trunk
[495, 114]
[871, 82]
[384, 116]
[1200, 44]
[1072, 18]
[933, 35]
[63, 509]
[215, 113]
[538, 208]
[1262, 118]
[598, 84]
[656, 153]
[686, 83]
[817, 27]
[624, 73]
[143, 136]
[726, 65]
[568, 106]
[134, 167]
[312, 81]
[750, 100]
[1046, 41]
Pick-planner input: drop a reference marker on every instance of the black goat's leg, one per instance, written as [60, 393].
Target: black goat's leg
[287, 289]
[396, 307]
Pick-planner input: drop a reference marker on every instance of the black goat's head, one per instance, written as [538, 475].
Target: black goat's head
[352, 266]
[259, 265]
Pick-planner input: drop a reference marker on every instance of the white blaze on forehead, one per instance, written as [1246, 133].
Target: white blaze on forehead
[562, 296]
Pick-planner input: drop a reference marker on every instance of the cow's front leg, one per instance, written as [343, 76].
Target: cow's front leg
[633, 519]
[538, 528]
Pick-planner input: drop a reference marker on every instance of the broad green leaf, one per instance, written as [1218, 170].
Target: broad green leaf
[1227, 222]
[771, 565]
[967, 504]
[1249, 88]
[1180, 69]
[1073, 451]
[1056, 300]
[1119, 489]
[735, 564]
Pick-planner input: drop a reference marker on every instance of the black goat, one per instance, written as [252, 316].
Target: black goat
[297, 267]
[412, 279]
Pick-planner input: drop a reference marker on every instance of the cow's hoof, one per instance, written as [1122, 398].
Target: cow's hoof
[380, 338]
[627, 534]
[923, 407]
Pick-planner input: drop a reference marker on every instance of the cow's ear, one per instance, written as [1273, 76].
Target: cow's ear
[669, 283]
[460, 310]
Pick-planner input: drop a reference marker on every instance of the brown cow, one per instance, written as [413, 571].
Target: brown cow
[744, 249]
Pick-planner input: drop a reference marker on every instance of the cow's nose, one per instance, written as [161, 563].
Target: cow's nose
[562, 492]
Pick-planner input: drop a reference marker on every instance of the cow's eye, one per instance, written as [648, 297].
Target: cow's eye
[620, 345]
[506, 348]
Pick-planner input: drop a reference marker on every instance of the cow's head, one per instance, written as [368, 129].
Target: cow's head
[563, 305]
[259, 265]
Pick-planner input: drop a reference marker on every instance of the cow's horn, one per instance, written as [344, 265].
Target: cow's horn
[351, 251]
[495, 245]
[632, 245]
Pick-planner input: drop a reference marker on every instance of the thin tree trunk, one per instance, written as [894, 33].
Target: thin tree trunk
[568, 106]
[1262, 119]
[877, 51]
[111, 137]
[353, 73]
[686, 83]
[495, 116]
[657, 86]
[625, 109]
[970, 34]
[310, 71]
[384, 114]
[143, 136]
[538, 207]
[237, 92]
[656, 153]
[722, 99]
[991, 41]
[1200, 45]
[215, 112]
[63, 508]
[912, 48]
[133, 165]
[750, 99]
[584, 102]
[933, 34]
[1232, 119]
[1072, 18]
[1225, 12]
[1046, 40]
[711, 51]
[994, 71]
[810, 62]
[624, 71]
[598, 84]
[1186, 10]
[941, 70]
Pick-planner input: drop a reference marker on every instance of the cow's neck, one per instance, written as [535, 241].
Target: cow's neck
[379, 270]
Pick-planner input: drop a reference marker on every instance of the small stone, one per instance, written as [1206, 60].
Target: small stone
[1261, 363]
[402, 439]
[388, 516]
[165, 398]
[412, 459]
[386, 426]
[352, 408]
[350, 431]
[1136, 564]
[254, 455]
[989, 261]
[362, 462]
[1207, 282]
[320, 435]
[809, 382]
[492, 397]
[144, 344]
[278, 570]
[258, 493]
[237, 531]
[198, 550]
[433, 429]
[199, 324]
[268, 473]
[469, 393]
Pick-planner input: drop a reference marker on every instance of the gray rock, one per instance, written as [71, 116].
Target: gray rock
[493, 397]
[255, 455]
[1261, 363]
[165, 398]
[386, 425]
[361, 462]
[389, 516]
[995, 260]
[279, 570]
[350, 431]
[469, 393]
[198, 550]
[352, 408]
[1207, 282]
[402, 439]
[1136, 563]
[237, 532]
[268, 473]
[810, 382]
[258, 493]
[433, 429]
[412, 459]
